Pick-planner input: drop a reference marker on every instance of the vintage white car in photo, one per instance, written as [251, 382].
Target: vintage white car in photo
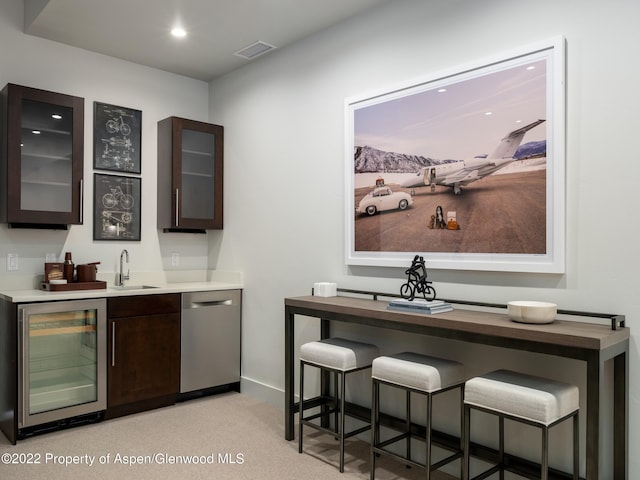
[383, 198]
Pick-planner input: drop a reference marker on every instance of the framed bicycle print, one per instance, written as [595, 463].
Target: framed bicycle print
[116, 213]
[116, 138]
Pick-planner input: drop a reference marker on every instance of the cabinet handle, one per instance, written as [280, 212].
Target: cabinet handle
[81, 200]
[22, 358]
[113, 343]
[177, 206]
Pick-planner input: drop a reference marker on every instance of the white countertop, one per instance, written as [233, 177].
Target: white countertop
[24, 296]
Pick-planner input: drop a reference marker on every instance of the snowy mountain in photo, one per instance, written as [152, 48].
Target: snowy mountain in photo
[368, 159]
[531, 149]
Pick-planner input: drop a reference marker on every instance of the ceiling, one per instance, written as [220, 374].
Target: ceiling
[138, 30]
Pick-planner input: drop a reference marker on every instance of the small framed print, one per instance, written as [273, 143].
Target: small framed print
[116, 207]
[116, 138]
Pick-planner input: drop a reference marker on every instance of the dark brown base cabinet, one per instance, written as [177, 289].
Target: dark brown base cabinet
[143, 368]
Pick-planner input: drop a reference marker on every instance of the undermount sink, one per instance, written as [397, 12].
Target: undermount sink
[133, 287]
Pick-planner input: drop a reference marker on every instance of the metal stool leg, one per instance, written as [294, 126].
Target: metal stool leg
[576, 448]
[301, 407]
[466, 440]
[462, 435]
[427, 467]
[341, 413]
[375, 425]
[337, 404]
[408, 423]
[501, 442]
[544, 463]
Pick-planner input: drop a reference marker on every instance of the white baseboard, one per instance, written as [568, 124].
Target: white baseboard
[266, 393]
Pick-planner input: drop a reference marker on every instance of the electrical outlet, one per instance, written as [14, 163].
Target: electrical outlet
[12, 262]
[175, 259]
[50, 258]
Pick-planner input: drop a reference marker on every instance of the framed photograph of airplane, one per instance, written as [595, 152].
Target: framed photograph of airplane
[482, 144]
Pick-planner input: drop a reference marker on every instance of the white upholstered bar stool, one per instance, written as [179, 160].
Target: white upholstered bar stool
[536, 401]
[340, 357]
[413, 373]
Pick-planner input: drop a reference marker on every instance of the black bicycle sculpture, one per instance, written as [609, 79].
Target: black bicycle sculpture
[417, 281]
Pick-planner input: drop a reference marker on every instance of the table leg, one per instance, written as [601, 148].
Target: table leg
[620, 415]
[289, 400]
[325, 381]
[325, 378]
[594, 379]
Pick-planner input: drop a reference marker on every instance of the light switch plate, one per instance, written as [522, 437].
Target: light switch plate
[12, 262]
[175, 259]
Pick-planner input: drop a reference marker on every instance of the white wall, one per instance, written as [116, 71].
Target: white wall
[284, 166]
[283, 116]
[34, 62]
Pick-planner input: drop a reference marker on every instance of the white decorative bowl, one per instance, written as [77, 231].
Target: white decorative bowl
[532, 312]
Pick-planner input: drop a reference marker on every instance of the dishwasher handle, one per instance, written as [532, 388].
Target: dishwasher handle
[209, 303]
[211, 299]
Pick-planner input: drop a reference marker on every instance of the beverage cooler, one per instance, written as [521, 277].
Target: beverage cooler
[62, 360]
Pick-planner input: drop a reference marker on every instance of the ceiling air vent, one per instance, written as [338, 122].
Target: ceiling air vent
[254, 50]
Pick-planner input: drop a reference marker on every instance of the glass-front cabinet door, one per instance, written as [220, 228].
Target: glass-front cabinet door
[198, 175]
[62, 368]
[190, 169]
[44, 163]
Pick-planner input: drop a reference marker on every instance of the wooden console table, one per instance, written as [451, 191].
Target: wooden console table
[595, 344]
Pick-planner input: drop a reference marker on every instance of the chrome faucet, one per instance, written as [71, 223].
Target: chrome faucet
[121, 277]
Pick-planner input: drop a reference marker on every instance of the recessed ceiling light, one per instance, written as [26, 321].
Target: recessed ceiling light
[56, 116]
[35, 132]
[531, 67]
[488, 113]
[178, 32]
[442, 90]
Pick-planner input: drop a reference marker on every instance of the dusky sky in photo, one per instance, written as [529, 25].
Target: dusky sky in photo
[469, 118]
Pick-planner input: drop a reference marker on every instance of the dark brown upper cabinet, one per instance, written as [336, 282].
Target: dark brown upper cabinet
[190, 166]
[42, 158]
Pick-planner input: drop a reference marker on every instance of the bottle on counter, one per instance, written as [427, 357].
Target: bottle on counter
[68, 267]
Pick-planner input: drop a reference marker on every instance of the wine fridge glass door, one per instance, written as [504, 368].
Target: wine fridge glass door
[62, 360]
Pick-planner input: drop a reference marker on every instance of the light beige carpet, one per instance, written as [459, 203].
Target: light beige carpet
[232, 436]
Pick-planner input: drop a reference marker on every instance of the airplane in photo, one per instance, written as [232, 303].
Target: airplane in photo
[459, 174]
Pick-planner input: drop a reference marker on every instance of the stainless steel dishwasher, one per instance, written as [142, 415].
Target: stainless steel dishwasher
[210, 340]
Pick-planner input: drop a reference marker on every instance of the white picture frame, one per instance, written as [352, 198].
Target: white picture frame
[486, 98]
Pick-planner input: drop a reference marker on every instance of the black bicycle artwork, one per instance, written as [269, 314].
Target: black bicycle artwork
[116, 138]
[117, 207]
[417, 282]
